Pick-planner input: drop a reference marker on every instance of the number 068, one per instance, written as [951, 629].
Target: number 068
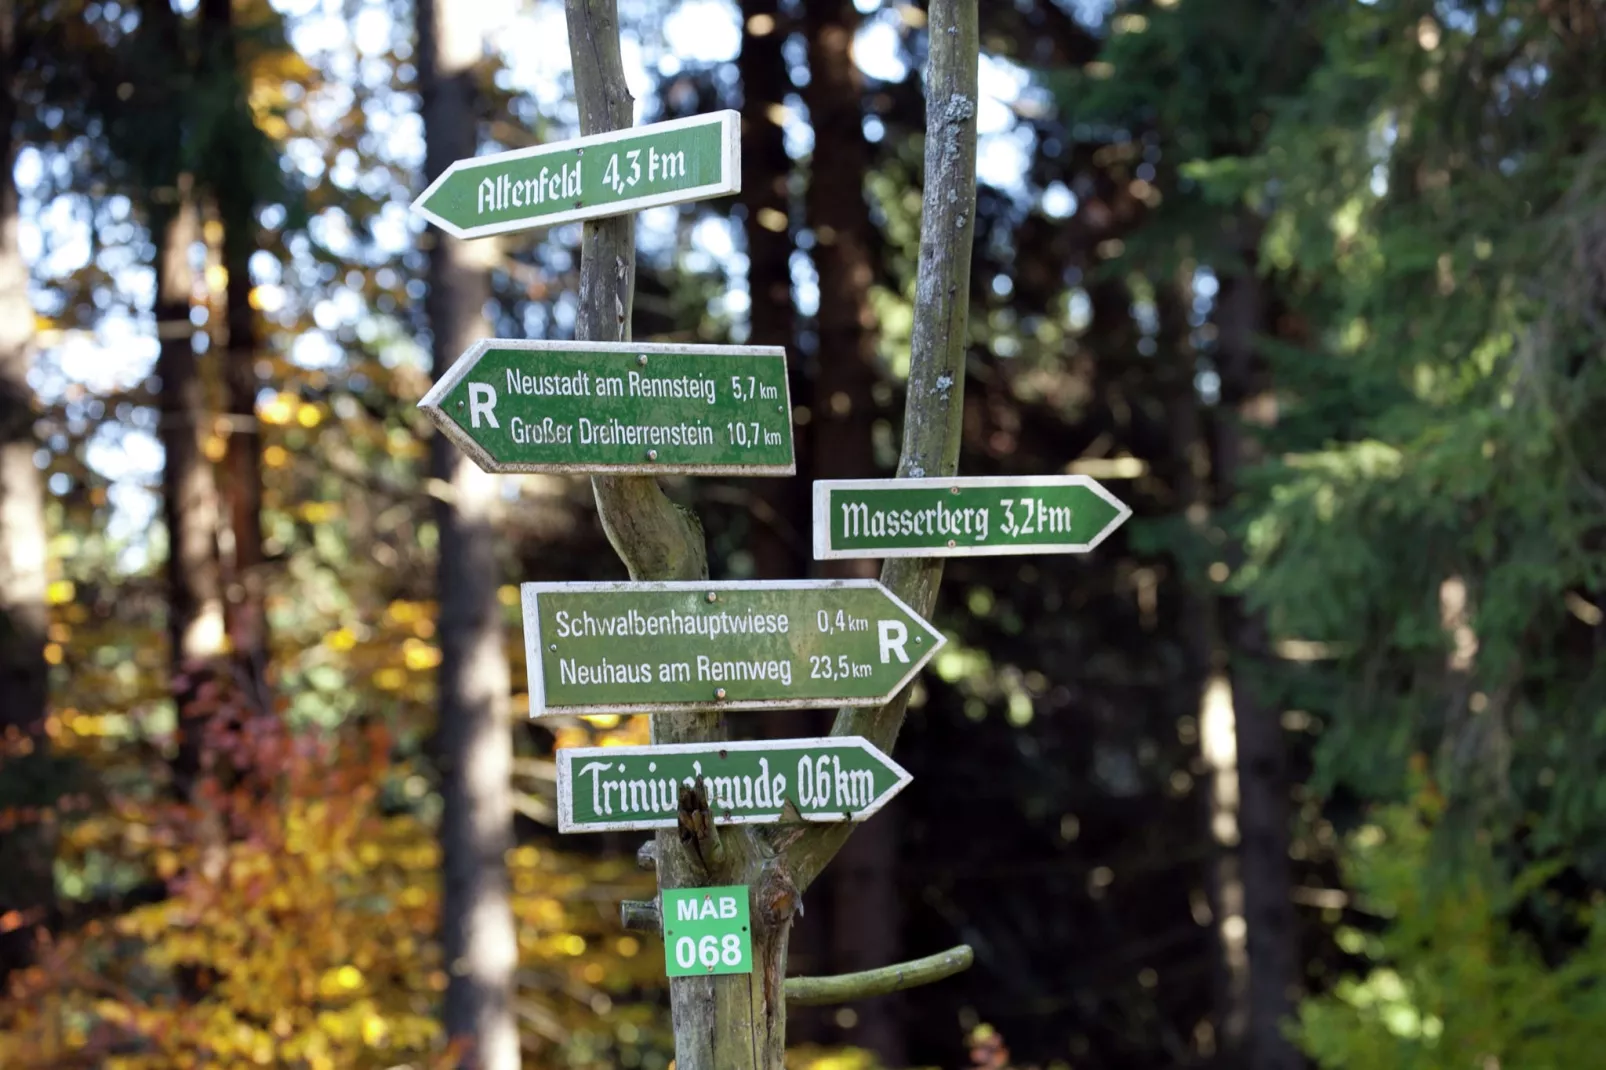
[710, 951]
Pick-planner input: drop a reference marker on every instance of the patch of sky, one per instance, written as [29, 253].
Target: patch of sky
[805, 283]
[797, 134]
[392, 228]
[1090, 13]
[1058, 201]
[878, 47]
[315, 350]
[371, 29]
[703, 31]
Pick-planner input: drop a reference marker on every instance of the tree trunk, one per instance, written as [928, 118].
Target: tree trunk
[862, 889]
[26, 854]
[738, 1022]
[233, 188]
[1267, 925]
[195, 623]
[474, 743]
[777, 540]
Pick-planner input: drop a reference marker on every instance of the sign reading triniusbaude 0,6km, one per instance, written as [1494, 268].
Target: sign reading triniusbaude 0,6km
[618, 407]
[962, 516]
[588, 178]
[734, 645]
[833, 778]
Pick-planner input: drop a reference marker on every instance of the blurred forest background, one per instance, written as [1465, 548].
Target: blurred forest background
[1302, 767]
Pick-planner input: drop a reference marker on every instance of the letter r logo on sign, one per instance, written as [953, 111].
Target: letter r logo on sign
[482, 402]
[893, 637]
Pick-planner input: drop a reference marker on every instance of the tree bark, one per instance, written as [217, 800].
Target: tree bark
[195, 623]
[1264, 810]
[26, 880]
[865, 915]
[233, 188]
[474, 743]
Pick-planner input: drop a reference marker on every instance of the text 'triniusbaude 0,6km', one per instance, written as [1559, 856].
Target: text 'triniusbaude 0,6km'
[743, 645]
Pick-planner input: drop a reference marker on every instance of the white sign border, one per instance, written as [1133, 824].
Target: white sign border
[566, 756]
[730, 122]
[530, 593]
[431, 404]
[822, 516]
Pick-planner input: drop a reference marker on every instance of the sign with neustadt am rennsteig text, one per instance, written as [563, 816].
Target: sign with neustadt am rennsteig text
[962, 516]
[589, 177]
[598, 648]
[706, 930]
[618, 408]
[618, 789]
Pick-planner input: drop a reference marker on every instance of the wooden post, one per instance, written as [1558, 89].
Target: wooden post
[738, 1021]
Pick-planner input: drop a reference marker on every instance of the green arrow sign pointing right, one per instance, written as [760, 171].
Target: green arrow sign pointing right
[742, 645]
[833, 778]
[962, 516]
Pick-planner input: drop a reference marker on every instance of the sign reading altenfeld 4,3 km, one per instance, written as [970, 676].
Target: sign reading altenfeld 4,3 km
[618, 408]
[609, 174]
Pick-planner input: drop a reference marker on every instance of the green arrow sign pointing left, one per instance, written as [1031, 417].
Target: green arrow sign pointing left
[618, 408]
[587, 178]
[731, 645]
[833, 778]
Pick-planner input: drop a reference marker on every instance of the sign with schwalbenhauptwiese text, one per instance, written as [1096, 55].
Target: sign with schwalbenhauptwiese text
[724, 645]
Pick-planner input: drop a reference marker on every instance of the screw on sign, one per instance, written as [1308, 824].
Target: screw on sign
[706, 931]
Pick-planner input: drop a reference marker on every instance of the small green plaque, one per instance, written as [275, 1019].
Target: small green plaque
[975, 516]
[588, 178]
[706, 931]
[718, 645]
[618, 408]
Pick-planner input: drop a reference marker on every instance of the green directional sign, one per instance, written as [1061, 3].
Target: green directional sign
[589, 177]
[619, 408]
[972, 516]
[734, 645]
[706, 930]
[833, 778]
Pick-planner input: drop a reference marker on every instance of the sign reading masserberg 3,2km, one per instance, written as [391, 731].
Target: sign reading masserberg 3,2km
[618, 408]
[735, 645]
[589, 177]
[962, 516]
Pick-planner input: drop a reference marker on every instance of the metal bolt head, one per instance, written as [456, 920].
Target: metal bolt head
[652, 455]
[642, 360]
[953, 490]
[553, 647]
[951, 544]
[719, 693]
[712, 596]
